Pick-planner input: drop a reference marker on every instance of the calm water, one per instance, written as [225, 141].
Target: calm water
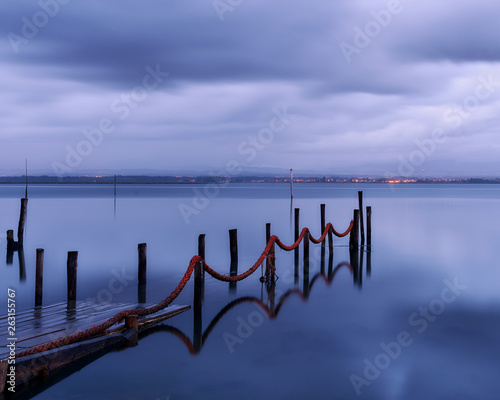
[433, 286]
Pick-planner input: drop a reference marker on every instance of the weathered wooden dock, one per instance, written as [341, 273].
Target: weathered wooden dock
[44, 324]
[41, 325]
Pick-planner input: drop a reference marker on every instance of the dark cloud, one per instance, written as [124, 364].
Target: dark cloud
[227, 76]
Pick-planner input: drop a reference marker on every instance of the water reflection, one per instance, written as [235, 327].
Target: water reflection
[271, 308]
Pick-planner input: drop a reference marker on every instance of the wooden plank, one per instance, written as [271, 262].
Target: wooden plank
[44, 324]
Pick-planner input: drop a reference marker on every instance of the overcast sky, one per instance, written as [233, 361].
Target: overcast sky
[363, 87]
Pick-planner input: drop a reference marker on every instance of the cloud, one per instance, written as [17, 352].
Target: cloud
[225, 78]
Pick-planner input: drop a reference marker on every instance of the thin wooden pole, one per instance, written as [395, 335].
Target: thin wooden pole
[201, 245]
[323, 227]
[39, 277]
[306, 263]
[369, 226]
[10, 238]
[268, 237]
[354, 237]
[198, 283]
[291, 183]
[296, 237]
[142, 250]
[233, 249]
[22, 220]
[233, 245]
[72, 266]
[361, 219]
[197, 303]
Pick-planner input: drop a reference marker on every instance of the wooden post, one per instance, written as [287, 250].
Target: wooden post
[323, 227]
[268, 237]
[323, 218]
[10, 247]
[142, 249]
[233, 248]
[39, 277]
[198, 283]
[362, 230]
[330, 241]
[233, 245]
[72, 266]
[306, 263]
[296, 237]
[10, 238]
[369, 226]
[291, 183]
[354, 237]
[197, 302]
[201, 245]
[131, 322]
[22, 220]
[201, 253]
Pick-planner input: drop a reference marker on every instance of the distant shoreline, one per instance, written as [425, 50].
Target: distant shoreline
[201, 180]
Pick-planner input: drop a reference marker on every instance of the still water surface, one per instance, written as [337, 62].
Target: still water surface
[433, 286]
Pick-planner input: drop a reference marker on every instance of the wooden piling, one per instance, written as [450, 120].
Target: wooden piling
[201, 245]
[198, 283]
[10, 247]
[296, 237]
[10, 238]
[306, 250]
[233, 248]
[268, 237]
[39, 277]
[306, 264]
[369, 226]
[354, 236]
[323, 227]
[22, 220]
[361, 219]
[291, 183]
[131, 322]
[72, 266]
[197, 303]
[142, 250]
[233, 245]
